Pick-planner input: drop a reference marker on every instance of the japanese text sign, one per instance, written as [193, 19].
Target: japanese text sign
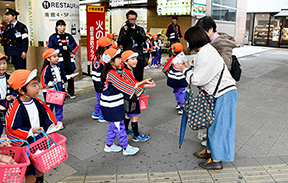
[95, 28]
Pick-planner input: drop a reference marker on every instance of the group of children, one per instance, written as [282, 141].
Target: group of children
[113, 79]
[154, 46]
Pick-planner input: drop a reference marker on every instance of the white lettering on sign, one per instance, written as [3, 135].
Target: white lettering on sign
[99, 31]
[116, 3]
[92, 46]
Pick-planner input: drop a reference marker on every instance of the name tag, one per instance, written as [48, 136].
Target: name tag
[18, 34]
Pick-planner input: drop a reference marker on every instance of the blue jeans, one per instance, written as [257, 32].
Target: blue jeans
[221, 134]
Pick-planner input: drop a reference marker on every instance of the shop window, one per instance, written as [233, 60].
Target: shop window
[224, 10]
[261, 26]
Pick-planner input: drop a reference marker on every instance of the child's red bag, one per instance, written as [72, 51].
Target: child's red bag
[143, 101]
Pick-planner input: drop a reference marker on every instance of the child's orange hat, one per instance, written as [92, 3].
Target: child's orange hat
[128, 54]
[21, 77]
[109, 36]
[114, 34]
[3, 56]
[154, 35]
[104, 41]
[49, 52]
[109, 54]
[177, 47]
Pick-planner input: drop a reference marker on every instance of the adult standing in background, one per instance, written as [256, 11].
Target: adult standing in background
[17, 34]
[68, 47]
[173, 33]
[222, 42]
[132, 37]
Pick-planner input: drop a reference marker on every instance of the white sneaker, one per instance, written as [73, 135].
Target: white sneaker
[72, 96]
[60, 123]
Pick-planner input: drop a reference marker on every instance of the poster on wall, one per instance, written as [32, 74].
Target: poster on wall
[199, 8]
[172, 7]
[95, 28]
[40, 17]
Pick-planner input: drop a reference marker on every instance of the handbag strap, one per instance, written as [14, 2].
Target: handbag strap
[218, 83]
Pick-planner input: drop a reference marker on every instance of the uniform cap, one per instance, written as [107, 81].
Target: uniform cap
[11, 12]
[104, 42]
[177, 47]
[3, 56]
[49, 52]
[109, 54]
[128, 54]
[21, 77]
[109, 36]
[154, 35]
[114, 34]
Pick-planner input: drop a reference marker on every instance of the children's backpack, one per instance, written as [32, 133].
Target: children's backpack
[235, 68]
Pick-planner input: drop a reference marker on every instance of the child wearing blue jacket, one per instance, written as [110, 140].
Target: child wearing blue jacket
[130, 61]
[53, 77]
[112, 101]
[6, 92]
[104, 43]
[176, 79]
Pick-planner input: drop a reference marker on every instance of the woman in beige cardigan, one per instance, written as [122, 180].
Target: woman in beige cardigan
[222, 42]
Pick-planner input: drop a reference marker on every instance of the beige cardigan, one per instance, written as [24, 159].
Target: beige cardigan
[224, 45]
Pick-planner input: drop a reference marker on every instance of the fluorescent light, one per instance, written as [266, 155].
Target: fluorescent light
[7, 4]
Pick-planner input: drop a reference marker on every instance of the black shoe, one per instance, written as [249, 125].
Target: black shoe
[202, 155]
[211, 165]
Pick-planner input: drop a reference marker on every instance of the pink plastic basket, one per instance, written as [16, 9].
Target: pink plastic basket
[55, 97]
[14, 172]
[49, 159]
[143, 101]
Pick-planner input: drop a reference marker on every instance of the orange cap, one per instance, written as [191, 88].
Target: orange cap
[49, 52]
[128, 54]
[114, 34]
[3, 56]
[109, 54]
[21, 77]
[104, 41]
[154, 35]
[177, 47]
[109, 36]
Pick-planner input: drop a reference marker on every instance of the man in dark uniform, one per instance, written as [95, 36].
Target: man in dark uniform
[17, 34]
[173, 33]
[132, 37]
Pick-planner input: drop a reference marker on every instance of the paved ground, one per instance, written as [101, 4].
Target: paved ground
[261, 152]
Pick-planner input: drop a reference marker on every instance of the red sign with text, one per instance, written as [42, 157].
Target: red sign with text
[95, 28]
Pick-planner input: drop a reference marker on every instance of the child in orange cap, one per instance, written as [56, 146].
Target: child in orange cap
[130, 61]
[103, 44]
[154, 51]
[112, 102]
[115, 37]
[110, 36]
[53, 77]
[146, 50]
[176, 79]
[27, 114]
[6, 92]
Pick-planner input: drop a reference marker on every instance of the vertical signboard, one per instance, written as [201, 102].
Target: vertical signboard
[95, 28]
[40, 17]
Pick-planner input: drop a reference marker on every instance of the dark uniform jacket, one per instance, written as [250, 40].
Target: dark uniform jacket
[18, 38]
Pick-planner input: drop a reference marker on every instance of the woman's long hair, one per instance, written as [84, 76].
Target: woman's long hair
[45, 63]
[106, 69]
